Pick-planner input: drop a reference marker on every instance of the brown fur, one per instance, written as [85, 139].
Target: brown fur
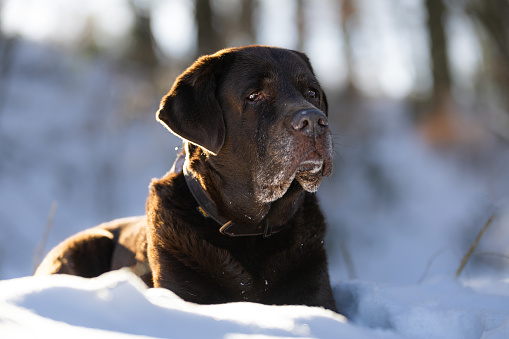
[260, 161]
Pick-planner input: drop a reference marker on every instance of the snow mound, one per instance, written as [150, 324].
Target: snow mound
[443, 308]
[118, 305]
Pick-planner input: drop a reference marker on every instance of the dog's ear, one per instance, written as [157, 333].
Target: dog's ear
[324, 104]
[190, 110]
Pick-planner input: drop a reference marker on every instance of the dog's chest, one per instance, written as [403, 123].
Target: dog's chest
[262, 265]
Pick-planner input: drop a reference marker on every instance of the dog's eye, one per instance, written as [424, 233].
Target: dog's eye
[255, 96]
[312, 94]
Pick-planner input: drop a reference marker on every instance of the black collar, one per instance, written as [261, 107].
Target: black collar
[208, 209]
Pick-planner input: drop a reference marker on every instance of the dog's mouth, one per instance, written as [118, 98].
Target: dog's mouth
[293, 161]
[309, 172]
[312, 164]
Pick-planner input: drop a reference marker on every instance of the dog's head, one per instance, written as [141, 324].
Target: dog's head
[258, 114]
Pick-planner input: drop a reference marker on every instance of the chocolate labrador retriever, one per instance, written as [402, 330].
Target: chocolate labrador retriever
[236, 219]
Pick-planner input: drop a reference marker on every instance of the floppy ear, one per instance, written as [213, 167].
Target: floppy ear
[324, 104]
[190, 110]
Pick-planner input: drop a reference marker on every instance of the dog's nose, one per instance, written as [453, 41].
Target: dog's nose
[311, 122]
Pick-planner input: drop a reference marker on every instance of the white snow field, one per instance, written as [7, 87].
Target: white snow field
[118, 305]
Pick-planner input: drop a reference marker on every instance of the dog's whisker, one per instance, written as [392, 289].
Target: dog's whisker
[339, 156]
[345, 145]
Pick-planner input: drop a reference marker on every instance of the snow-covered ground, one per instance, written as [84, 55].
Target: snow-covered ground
[401, 218]
[117, 305]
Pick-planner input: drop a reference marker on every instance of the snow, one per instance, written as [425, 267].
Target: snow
[401, 217]
[118, 305]
[438, 309]
[118, 302]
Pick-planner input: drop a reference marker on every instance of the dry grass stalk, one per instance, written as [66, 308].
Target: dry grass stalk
[44, 239]
[474, 245]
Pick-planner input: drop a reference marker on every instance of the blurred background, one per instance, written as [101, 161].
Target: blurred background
[418, 92]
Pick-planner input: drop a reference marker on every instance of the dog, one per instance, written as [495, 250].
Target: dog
[237, 218]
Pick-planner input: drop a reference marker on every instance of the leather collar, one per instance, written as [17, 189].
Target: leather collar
[208, 209]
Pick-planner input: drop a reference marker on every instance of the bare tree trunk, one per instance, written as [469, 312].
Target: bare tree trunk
[143, 46]
[209, 40]
[438, 48]
[441, 124]
[246, 22]
[493, 15]
[7, 50]
[301, 25]
[348, 11]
